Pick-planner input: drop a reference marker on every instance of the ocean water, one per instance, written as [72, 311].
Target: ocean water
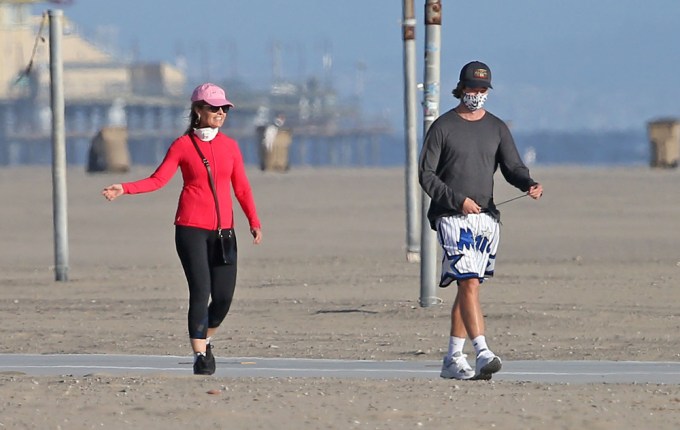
[537, 148]
[609, 148]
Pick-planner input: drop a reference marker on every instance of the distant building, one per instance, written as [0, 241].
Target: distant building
[99, 90]
[151, 101]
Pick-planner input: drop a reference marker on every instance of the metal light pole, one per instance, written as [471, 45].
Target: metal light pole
[428, 254]
[411, 173]
[59, 199]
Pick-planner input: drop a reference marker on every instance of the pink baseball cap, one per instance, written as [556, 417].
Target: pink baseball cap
[211, 94]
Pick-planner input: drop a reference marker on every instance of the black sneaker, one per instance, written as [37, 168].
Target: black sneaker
[208, 353]
[204, 365]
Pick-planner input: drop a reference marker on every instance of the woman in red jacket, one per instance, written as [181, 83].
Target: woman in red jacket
[211, 280]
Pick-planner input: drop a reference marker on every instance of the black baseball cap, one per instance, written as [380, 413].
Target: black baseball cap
[475, 75]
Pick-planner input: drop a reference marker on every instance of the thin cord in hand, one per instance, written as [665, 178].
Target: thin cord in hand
[509, 200]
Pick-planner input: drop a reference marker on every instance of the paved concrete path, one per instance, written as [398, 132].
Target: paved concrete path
[231, 367]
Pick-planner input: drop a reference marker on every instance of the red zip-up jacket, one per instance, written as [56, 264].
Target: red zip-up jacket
[196, 207]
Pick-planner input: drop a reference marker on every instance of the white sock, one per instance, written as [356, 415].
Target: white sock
[479, 343]
[198, 354]
[207, 340]
[455, 345]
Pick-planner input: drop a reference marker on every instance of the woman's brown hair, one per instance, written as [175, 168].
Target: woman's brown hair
[194, 119]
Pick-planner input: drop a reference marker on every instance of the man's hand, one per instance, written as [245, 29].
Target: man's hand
[470, 207]
[536, 191]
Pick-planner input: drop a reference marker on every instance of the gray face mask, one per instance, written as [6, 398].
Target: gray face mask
[474, 101]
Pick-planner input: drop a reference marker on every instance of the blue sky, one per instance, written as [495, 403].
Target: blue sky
[557, 65]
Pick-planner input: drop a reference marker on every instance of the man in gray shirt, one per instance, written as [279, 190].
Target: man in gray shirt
[460, 154]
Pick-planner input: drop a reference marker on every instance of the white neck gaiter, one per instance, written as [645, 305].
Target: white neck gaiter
[206, 134]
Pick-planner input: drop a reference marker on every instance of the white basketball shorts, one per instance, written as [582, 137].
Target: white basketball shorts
[469, 243]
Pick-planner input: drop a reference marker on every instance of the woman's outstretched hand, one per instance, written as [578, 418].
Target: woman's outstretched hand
[112, 192]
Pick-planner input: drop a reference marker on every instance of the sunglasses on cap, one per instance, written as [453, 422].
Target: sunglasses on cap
[215, 109]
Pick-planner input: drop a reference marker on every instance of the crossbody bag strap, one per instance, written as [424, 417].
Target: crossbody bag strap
[212, 183]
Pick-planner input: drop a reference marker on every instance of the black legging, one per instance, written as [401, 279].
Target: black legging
[206, 279]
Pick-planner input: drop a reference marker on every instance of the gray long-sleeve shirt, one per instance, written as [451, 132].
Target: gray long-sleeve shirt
[459, 159]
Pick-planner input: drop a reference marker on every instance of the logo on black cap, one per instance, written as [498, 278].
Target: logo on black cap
[481, 74]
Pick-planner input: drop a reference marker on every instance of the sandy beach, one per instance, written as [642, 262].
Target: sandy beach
[589, 272]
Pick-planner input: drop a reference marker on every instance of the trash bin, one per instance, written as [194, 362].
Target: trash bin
[274, 156]
[109, 151]
[664, 137]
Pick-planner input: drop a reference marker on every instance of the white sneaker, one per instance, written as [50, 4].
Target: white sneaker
[487, 364]
[456, 367]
